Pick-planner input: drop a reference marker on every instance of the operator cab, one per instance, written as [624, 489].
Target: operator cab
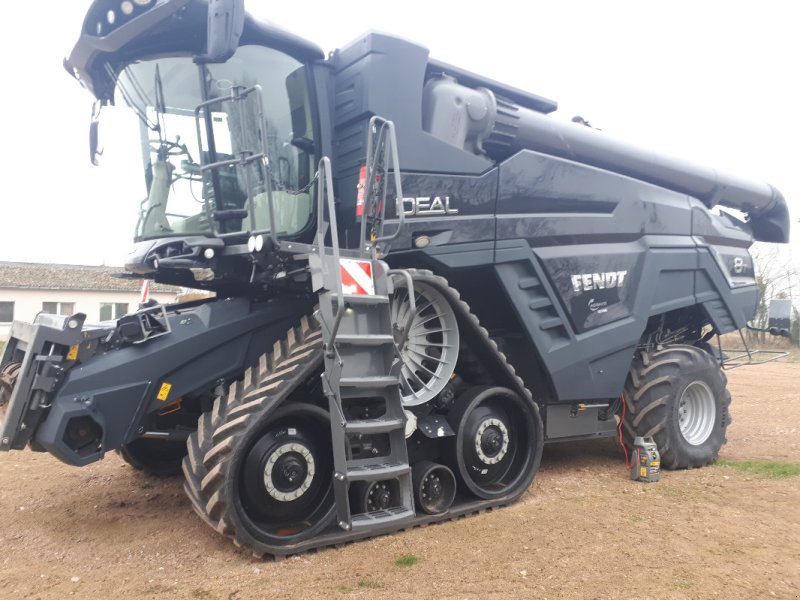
[177, 138]
[223, 131]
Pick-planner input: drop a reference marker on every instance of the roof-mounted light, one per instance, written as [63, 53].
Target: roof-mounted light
[108, 15]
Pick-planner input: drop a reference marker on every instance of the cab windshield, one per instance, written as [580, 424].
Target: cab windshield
[177, 138]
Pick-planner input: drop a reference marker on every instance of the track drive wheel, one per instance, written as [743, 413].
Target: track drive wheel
[155, 457]
[498, 443]
[259, 469]
[678, 397]
[428, 341]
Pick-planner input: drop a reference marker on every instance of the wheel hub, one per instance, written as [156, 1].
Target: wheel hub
[289, 471]
[379, 497]
[432, 487]
[491, 441]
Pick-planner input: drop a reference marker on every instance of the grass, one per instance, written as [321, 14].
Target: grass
[671, 491]
[364, 584]
[769, 469]
[407, 560]
[635, 518]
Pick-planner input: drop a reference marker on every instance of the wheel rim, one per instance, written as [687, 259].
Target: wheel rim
[289, 471]
[495, 442]
[491, 441]
[429, 354]
[285, 491]
[696, 412]
[434, 487]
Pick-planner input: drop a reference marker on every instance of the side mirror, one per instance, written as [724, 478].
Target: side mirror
[225, 24]
[95, 151]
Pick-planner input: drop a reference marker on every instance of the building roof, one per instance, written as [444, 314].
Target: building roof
[49, 276]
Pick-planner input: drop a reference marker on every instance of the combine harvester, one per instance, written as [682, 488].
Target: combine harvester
[379, 356]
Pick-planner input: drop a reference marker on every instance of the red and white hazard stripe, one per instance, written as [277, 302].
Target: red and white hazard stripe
[145, 291]
[356, 277]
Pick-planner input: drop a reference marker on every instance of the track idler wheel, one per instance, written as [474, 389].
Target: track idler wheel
[434, 487]
[497, 447]
[285, 476]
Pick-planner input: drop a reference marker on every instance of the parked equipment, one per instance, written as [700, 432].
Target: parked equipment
[420, 278]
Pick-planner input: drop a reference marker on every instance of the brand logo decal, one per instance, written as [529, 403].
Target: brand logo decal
[426, 205]
[586, 282]
[598, 306]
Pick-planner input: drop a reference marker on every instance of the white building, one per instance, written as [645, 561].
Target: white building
[27, 289]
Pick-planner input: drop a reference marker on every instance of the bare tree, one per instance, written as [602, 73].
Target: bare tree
[776, 277]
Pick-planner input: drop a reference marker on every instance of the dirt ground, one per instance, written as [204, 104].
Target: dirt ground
[584, 530]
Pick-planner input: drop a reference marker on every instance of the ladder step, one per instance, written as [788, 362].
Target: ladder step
[369, 382]
[551, 323]
[364, 339]
[538, 303]
[365, 299]
[389, 515]
[378, 472]
[374, 426]
[529, 282]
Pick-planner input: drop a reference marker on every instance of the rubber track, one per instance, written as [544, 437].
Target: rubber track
[266, 386]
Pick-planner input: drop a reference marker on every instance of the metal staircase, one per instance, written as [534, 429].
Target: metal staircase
[372, 478]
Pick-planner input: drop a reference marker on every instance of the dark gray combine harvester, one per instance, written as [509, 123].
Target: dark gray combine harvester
[376, 356]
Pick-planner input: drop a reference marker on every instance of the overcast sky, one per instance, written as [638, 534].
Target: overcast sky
[714, 82]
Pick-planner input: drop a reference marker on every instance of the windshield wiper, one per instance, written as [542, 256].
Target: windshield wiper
[137, 88]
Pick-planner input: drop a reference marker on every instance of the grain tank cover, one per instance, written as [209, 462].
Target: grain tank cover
[482, 121]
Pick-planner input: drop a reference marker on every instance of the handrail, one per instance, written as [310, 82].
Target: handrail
[237, 94]
[412, 300]
[326, 197]
[375, 148]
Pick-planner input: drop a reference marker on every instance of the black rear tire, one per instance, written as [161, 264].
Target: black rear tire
[678, 397]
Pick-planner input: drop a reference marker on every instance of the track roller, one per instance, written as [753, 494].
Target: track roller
[434, 487]
[372, 496]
